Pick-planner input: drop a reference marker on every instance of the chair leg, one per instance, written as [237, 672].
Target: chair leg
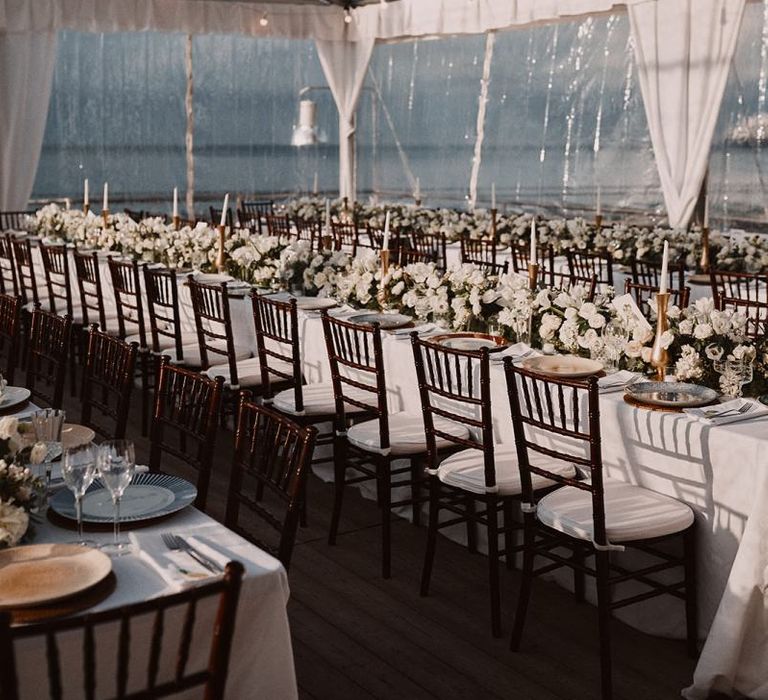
[493, 564]
[578, 576]
[604, 623]
[434, 516]
[469, 504]
[339, 480]
[416, 490]
[384, 474]
[524, 593]
[691, 604]
[144, 369]
[303, 509]
[509, 534]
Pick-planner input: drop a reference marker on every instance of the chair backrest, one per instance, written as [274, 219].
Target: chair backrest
[357, 371]
[13, 220]
[10, 329]
[279, 350]
[456, 385]
[745, 292]
[162, 292]
[345, 236]
[479, 251]
[309, 231]
[215, 215]
[520, 256]
[107, 384]
[405, 255]
[46, 356]
[584, 263]
[431, 244]
[558, 419]
[644, 293]
[112, 628]
[648, 272]
[269, 472]
[126, 283]
[90, 288]
[25, 269]
[186, 417]
[136, 214]
[566, 281]
[251, 214]
[57, 279]
[210, 304]
[278, 225]
[8, 282]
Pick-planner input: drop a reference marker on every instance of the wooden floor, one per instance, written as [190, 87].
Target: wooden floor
[357, 636]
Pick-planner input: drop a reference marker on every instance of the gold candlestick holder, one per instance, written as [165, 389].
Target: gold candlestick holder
[384, 254]
[221, 258]
[598, 221]
[176, 223]
[533, 275]
[105, 217]
[659, 354]
[704, 260]
[417, 201]
[494, 212]
[86, 208]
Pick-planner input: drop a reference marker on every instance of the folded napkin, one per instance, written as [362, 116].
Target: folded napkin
[616, 381]
[406, 332]
[177, 568]
[729, 412]
[517, 351]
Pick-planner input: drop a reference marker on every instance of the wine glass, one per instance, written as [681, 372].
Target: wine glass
[116, 465]
[47, 424]
[615, 337]
[79, 471]
[736, 371]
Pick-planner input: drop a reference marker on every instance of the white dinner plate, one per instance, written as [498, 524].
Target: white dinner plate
[566, 366]
[314, 303]
[387, 322]
[74, 435]
[14, 396]
[43, 573]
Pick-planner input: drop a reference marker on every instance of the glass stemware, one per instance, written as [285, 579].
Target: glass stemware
[116, 466]
[614, 337]
[736, 373]
[79, 470]
[47, 424]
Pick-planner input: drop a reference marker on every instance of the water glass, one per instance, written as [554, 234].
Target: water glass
[47, 424]
[737, 373]
[116, 466]
[79, 470]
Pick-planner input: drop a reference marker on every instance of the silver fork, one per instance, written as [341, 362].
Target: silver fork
[179, 544]
[740, 411]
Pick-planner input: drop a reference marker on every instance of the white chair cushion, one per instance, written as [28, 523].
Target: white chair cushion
[406, 434]
[318, 400]
[248, 372]
[190, 355]
[466, 470]
[631, 512]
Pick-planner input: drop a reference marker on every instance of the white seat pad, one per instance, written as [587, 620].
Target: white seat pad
[631, 512]
[406, 434]
[248, 372]
[466, 470]
[190, 355]
[318, 399]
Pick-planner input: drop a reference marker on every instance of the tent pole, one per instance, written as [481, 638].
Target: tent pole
[482, 103]
[189, 137]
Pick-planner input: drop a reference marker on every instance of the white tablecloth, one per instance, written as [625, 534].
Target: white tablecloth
[261, 663]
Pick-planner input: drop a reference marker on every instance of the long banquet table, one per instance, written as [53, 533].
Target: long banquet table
[261, 662]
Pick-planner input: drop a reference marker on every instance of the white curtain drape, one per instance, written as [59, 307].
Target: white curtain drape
[26, 74]
[684, 50]
[345, 64]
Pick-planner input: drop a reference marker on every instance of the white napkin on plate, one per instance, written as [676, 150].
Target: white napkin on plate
[728, 412]
[517, 351]
[177, 568]
[406, 332]
[616, 381]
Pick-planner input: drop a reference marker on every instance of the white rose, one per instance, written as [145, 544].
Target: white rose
[596, 321]
[9, 427]
[38, 453]
[13, 524]
[702, 331]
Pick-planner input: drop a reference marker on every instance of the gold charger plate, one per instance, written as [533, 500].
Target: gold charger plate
[471, 342]
[566, 366]
[74, 435]
[39, 574]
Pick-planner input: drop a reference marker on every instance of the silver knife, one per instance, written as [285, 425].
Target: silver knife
[206, 561]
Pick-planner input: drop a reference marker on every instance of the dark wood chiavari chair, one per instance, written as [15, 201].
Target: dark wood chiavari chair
[135, 214]
[216, 341]
[26, 276]
[567, 281]
[378, 437]
[8, 282]
[309, 231]
[185, 421]
[14, 220]
[644, 293]
[47, 356]
[431, 245]
[405, 255]
[215, 216]
[479, 251]
[279, 225]
[584, 263]
[346, 237]
[113, 628]
[479, 484]
[520, 257]
[648, 272]
[268, 477]
[745, 292]
[251, 214]
[167, 336]
[591, 517]
[10, 333]
[92, 292]
[108, 375]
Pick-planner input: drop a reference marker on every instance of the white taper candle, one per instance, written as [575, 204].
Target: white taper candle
[86, 194]
[493, 195]
[224, 210]
[533, 254]
[664, 281]
[105, 205]
[175, 202]
[385, 244]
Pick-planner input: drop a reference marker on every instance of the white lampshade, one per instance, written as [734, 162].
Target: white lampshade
[305, 134]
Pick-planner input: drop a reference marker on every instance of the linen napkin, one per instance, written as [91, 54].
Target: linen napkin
[517, 351]
[177, 568]
[616, 381]
[728, 412]
[401, 333]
